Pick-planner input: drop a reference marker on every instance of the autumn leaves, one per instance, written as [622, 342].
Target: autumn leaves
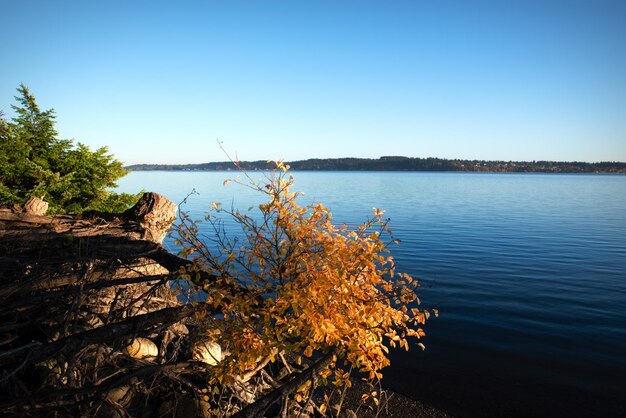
[310, 286]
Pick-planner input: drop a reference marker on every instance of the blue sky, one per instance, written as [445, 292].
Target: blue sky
[159, 82]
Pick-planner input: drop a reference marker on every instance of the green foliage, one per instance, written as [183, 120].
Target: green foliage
[70, 177]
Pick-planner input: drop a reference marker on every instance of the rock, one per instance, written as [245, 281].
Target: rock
[208, 352]
[121, 395]
[36, 206]
[142, 348]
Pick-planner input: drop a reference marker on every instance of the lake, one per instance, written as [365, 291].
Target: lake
[528, 272]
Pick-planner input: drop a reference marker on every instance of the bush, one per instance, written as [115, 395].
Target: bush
[69, 176]
[294, 283]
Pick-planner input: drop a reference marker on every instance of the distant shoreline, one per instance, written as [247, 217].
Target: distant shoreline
[405, 164]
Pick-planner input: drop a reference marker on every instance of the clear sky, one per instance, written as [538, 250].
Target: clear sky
[159, 82]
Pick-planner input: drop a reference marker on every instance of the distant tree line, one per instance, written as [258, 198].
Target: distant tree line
[398, 163]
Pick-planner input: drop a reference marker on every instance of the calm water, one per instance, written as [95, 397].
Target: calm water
[528, 272]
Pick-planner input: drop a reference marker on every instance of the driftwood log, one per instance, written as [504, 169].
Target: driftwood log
[73, 293]
[77, 292]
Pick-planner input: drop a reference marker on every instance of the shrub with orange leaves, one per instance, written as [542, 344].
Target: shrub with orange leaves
[296, 283]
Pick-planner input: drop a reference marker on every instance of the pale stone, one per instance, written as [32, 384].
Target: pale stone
[208, 352]
[142, 348]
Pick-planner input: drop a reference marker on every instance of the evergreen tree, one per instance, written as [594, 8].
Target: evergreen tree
[35, 162]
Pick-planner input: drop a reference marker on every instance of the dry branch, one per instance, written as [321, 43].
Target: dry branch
[136, 325]
[94, 390]
[258, 408]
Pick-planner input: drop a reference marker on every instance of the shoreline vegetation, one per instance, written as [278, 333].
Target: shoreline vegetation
[128, 344]
[399, 163]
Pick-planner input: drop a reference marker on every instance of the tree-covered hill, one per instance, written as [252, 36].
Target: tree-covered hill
[397, 163]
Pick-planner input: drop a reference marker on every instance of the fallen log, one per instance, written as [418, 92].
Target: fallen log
[134, 326]
[39, 401]
[71, 287]
[37, 248]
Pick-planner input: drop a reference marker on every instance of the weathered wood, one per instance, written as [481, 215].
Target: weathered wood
[28, 240]
[62, 276]
[258, 408]
[36, 206]
[136, 325]
[155, 213]
[9, 217]
[107, 247]
[38, 400]
[48, 294]
[149, 220]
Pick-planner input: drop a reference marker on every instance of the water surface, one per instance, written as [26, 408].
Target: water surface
[527, 270]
